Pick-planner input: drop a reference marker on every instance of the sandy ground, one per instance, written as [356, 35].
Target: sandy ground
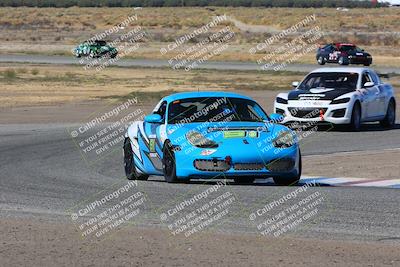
[51, 243]
[365, 164]
[26, 85]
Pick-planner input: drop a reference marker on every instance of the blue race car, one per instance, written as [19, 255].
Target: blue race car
[211, 135]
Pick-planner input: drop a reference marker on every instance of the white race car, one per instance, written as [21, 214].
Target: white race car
[339, 96]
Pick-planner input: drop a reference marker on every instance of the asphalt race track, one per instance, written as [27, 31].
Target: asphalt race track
[43, 174]
[217, 65]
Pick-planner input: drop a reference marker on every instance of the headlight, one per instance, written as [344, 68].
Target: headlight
[197, 139]
[281, 100]
[285, 139]
[341, 101]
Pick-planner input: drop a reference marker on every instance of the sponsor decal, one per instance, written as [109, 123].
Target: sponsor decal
[152, 145]
[253, 134]
[207, 152]
[234, 134]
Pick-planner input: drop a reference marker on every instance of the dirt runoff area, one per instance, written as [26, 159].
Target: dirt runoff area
[52, 243]
[365, 164]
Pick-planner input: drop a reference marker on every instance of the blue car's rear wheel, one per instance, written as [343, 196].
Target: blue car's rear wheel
[129, 163]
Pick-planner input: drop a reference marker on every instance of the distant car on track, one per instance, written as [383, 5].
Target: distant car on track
[97, 48]
[210, 134]
[341, 95]
[344, 54]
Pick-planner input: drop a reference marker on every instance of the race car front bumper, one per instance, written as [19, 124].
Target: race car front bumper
[360, 60]
[315, 112]
[265, 162]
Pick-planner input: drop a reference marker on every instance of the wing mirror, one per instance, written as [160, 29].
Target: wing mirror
[368, 84]
[276, 117]
[153, 118]
[295, 84]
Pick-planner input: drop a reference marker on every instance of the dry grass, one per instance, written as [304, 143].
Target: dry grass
[71, 25]
[46, 85]
[56, 31]
[30, 85]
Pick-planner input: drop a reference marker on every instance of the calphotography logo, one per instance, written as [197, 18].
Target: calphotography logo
[212, 43]
[289, 212]
[199, 211]
[104, 132]
[107, 212]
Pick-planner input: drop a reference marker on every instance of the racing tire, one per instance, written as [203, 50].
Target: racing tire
[367, 64]
[343, 61]
[321, 61]
[244, 180]
[169, 164]
[355, 123]
[129, 163]
[288, 181]
[92, 54]
[390, 117]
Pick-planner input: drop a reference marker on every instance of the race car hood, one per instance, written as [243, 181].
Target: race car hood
[317, 94]
[229, 134]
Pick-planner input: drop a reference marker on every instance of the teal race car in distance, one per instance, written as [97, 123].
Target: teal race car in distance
[93, 49]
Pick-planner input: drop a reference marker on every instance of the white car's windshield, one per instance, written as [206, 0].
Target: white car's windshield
[202, 109]
[331, 80]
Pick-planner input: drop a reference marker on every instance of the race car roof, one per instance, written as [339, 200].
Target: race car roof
[342, 69]
[178, 96]
[344, 44]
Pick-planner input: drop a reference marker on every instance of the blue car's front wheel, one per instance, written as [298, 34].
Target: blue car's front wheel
[286, 181]
[169, 165]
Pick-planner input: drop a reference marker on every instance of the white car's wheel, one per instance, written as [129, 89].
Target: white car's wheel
[390, 118]
[355, 123]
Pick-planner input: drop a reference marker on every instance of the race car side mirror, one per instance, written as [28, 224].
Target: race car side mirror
[368, 84]
[153, 118]
[295, 84]
[275, 117]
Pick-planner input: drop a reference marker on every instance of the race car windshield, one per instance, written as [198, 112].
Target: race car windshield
[214, 109]
[346, 48]
[331, 80]
[102, 43]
